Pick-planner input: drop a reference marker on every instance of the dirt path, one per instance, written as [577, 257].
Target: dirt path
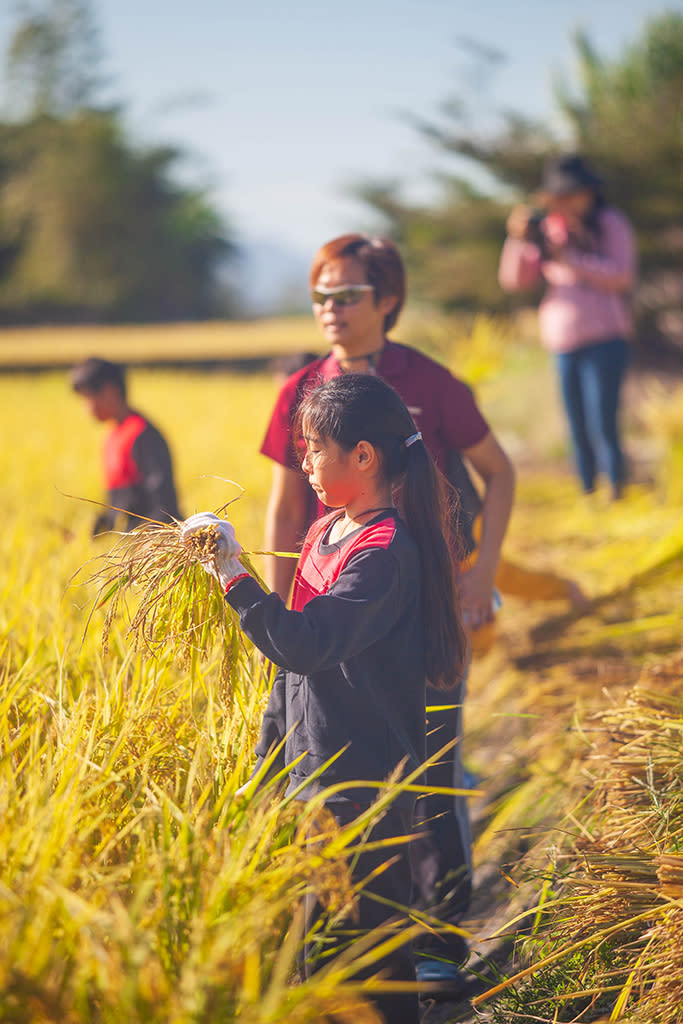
[521, 736]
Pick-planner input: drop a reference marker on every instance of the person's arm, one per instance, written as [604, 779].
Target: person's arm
[520, 259]
[498, 475]
[286, 524]
[358, 610]
[614, 268]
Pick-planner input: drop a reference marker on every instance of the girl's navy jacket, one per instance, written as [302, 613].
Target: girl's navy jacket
[351, 655]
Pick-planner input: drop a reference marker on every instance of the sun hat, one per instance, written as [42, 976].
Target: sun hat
[568, 173]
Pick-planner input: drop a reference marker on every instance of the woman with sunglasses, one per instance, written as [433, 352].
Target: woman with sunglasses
[358, 289]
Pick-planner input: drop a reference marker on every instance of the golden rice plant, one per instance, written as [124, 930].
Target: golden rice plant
[171, 603]
[476, 347]
[136, 884]
[660, 410]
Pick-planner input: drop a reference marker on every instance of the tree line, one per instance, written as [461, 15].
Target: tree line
[96, 227]
[626, 118]
[92, 226]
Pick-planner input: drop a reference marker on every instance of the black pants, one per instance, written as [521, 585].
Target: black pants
[392, 885]
[441, 854]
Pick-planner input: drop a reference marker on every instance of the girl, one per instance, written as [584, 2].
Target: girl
[374, 617]
[584, 249]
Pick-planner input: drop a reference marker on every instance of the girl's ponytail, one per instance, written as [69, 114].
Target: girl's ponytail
[355, 407]
[427, 508]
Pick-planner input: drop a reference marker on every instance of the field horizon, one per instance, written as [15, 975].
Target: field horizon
[213, 342]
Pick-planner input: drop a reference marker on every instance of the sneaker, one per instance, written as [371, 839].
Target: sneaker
[450, 979]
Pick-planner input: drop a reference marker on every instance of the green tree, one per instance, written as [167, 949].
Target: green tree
[627, 119]
[53, 60]
[91, 226]
[97, 229]
[449, 249]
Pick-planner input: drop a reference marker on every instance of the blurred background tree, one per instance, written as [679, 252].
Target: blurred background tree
[53, 60]
[92, 227]
[626, 119]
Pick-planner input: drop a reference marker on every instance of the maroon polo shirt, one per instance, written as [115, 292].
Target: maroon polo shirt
[442, 406]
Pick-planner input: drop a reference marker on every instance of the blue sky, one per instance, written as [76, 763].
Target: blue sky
[284, 103]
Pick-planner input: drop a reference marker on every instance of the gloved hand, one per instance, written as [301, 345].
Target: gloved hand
[223, 561]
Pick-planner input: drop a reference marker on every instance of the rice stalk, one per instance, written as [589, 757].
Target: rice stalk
[161, 586]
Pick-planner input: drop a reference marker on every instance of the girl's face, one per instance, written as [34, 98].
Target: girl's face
[330, 471]
[358, 328]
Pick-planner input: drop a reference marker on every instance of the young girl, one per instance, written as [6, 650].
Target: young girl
[374, 617]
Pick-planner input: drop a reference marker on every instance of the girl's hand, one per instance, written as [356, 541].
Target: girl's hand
[222, 549]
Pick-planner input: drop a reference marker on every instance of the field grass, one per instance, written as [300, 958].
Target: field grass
[213, 422]
[134, 884]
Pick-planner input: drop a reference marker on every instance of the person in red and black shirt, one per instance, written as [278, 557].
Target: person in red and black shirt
[375, 615]
[138, 470]
[358, 288]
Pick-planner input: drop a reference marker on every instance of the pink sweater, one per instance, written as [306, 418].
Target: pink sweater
[587, 296]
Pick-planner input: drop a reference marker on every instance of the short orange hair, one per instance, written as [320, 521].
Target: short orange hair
[382, 263]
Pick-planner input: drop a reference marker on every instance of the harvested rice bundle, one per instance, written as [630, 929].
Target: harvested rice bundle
[157, 581]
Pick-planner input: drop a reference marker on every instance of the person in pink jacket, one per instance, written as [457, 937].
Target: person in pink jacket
[584, 250]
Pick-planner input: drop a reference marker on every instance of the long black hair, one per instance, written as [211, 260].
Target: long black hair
[361, 407]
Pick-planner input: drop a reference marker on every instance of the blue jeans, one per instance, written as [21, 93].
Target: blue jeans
[590, 379]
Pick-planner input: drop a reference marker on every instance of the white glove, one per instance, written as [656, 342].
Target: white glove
[224, 562]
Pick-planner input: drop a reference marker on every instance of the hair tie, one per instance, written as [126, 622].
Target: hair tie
[417, 436]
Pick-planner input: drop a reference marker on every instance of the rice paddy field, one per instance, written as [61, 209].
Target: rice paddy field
[137, 884]
[156, 343]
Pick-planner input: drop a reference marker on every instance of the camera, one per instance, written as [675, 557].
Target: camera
[534, 232]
